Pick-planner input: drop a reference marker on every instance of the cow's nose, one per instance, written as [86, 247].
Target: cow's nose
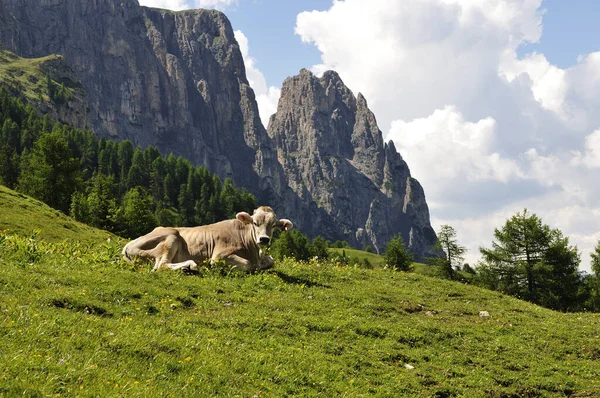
[264, 240]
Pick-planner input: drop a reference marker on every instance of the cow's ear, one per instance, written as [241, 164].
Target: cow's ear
[244, 217]
[284, 225]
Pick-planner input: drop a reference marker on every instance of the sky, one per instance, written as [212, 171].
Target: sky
[492, 103]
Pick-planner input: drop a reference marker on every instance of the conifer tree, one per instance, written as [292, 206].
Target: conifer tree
[532, 261]
[50, 172]
[595, 263]
[397, 255]
[137, 213]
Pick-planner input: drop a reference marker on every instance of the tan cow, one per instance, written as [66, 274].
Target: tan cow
[240, 242]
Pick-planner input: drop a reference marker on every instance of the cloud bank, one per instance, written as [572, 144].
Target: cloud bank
[486, 132]
[178, 5]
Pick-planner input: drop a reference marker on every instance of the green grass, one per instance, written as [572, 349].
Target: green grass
[23, 215]
[26, 76]
[79, 321]
[377, 260]
[75, 320]
[374, 259]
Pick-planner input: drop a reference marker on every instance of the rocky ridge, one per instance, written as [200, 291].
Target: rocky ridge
[333, 155]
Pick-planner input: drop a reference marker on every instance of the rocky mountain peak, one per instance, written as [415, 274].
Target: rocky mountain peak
[333, 154]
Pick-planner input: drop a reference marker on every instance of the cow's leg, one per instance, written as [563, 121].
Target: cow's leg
[237, 262]
[167, 251]
[189, 265]
[266, 262]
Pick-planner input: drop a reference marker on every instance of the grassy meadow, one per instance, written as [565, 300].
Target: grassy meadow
[378, 261]
[373, 258]
[25, 74]
[23, 215]
[75, 320]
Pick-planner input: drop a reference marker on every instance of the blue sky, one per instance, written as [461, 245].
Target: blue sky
[269, 26]
[571, 28]
[492, 103]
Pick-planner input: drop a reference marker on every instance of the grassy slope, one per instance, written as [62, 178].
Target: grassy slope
[23, 215]
[79, 321]
[377, 260]
[24, 73]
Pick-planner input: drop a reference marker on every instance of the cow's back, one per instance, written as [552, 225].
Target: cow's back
[224, 237]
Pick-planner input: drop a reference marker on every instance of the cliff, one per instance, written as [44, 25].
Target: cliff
[333, 155]
[175, 80]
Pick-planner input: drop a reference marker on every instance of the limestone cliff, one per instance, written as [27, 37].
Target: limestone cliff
[171, 79]
[333, 155]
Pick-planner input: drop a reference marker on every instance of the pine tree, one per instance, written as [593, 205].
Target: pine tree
[448, 243]
[319, 248]
[102, 203]
[9, 165]
[532, 261]
[50, 173]
[137, 214]
[138, 175]
[397, 255]
[125, 152]
[596, 260]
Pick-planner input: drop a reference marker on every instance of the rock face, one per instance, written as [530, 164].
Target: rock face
[333, 155]
[75, 110]
[177, 80]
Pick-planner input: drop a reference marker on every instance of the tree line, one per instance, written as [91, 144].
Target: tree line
[123, 189]
[529, 260]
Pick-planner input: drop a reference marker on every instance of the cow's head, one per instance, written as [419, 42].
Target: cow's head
[263, 221]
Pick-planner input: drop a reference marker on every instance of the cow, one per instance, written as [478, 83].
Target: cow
[240, 242]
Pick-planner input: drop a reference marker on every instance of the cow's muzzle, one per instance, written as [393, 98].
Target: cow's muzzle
[264, 240]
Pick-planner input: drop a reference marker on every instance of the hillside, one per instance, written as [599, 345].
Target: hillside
[24, 74]
[23, 215]
[79, 321]
[374, 259]
[48, 83]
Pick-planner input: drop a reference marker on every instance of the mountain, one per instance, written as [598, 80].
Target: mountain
[36, 80]
[177, 80]
[333, 155]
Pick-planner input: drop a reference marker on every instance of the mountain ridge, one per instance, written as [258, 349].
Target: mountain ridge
[333, 153]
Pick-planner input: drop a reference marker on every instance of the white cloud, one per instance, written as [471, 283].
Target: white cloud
[486, 132]
[166, 4]
[218, 4]
[187, 4]
[591, 156]
[548, 83]
[266, 97]
[444, 147]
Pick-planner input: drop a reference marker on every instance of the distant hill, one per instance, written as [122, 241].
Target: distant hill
[23, 215]
[78, 321]
[374, 259]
